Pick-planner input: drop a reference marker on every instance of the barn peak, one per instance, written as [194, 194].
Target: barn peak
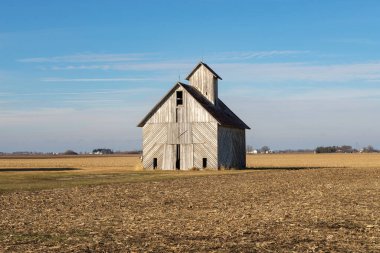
[204, 79]
[206, 66]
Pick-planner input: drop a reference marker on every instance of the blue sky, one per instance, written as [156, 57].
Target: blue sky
[81, 74]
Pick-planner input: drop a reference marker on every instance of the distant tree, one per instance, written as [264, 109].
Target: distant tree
[369, 149]
[329, 149]
[249, 149]
[264, 149]
[70, 152]
[102, 151]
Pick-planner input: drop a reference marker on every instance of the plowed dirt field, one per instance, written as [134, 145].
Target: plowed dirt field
[294, 203]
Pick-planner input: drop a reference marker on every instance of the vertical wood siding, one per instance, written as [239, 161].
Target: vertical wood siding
[190, 111]
[206, 83]
[195, 131]
[231, 147]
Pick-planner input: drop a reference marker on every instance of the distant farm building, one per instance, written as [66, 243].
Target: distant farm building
[191, 127]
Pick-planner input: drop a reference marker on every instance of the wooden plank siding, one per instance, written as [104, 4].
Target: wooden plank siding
[205, 144]
[206, 83]
[195, 131]
[154, 141]
[231, 147]
[190, 111]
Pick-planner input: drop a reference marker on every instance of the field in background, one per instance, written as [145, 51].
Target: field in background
[356, 160]
[42, 172]
[282, 203]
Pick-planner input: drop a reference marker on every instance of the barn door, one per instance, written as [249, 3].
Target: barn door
[187, 158]
[170, 157]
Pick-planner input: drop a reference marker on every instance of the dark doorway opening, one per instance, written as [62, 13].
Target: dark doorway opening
[154, 163]
[204, 163]
[178, 157]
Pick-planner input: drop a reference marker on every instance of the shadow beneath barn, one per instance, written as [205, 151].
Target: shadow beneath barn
[283, 168]
[35, 169]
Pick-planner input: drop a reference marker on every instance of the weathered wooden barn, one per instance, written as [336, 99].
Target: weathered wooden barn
[191, 127]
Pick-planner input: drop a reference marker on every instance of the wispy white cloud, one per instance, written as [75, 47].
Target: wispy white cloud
[58, 79]
[254, 54]
[326, 94]
[87, 93]
[230, 64]
[151, 66]
[260, 72]
[334, 94]
[93, 101]
[77, 58]
[279, 72]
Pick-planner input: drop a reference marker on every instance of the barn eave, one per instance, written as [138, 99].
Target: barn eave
[161, 101]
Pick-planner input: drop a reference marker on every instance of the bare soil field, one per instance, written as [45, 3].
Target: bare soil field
[283, 203]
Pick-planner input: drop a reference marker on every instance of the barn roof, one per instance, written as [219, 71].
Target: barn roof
[204, 64]
[220, 113]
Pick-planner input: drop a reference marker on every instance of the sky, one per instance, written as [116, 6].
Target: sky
[81, 74]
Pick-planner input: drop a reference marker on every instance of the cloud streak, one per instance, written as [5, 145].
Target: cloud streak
[122, 79]
[255, 54]
[280, 72]
[78, 58]
[107, 91]
[257, 72]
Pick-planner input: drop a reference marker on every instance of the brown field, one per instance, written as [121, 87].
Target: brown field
[283, 203]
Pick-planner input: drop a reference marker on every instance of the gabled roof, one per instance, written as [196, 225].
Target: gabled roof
[220, 113]
[204, 64]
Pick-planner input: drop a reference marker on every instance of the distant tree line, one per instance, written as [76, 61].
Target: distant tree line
[98, 151]
[318, 150]
[344, 149]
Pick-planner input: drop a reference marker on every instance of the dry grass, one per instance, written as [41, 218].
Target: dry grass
[81, 164]
[287, 203]
[364, 160]
[30, 173]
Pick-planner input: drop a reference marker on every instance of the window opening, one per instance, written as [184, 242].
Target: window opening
[154, 163]
[204, 162]
[179, 98]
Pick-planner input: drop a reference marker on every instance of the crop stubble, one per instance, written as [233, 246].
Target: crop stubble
[304, 207]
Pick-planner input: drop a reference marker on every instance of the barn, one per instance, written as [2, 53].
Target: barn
[190, 127]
